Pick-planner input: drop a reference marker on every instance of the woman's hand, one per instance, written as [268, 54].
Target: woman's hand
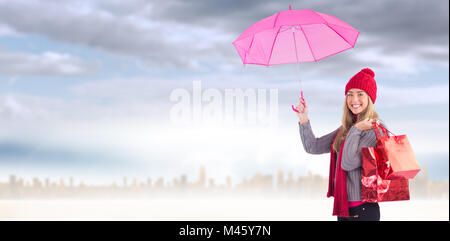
[366, 124]
[302, 113]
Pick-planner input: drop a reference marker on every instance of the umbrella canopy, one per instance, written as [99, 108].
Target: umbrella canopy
[294, 36]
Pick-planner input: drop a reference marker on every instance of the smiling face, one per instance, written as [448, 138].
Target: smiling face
[357, 100]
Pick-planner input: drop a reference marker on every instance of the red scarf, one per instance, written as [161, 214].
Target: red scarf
[338, 191]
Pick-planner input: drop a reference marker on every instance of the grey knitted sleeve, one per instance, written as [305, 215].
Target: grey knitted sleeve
[313, 145]
[354, 142]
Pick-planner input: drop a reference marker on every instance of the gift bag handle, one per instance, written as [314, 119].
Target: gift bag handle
[377, 131]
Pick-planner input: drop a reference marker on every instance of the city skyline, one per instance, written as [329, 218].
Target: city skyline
[306, 186]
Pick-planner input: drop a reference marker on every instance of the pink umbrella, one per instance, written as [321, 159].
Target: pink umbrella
[294, 36]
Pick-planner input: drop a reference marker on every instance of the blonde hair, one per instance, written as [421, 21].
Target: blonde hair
[347, 121]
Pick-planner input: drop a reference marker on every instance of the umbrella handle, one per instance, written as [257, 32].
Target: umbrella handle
[293, 108]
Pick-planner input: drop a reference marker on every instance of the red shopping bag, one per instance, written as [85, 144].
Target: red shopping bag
[373, 187]
[396, 155]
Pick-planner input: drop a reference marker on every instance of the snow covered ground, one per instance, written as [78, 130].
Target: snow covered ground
[207, 209]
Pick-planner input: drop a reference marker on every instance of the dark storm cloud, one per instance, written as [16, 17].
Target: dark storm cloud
[392, 27]
[94, 27]
[424, 22]
[233, 15]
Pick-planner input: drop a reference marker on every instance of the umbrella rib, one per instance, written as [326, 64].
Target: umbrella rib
[295, 46]
[273, 44]
[335, 53]
[275, 21]
[339, 34]
[246, 52]
[275, 39]
[326, 23]
[312, 53]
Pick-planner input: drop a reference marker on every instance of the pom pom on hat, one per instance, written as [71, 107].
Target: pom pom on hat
[364, 80]
[369, 72]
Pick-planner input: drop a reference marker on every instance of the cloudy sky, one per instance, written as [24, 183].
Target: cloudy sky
[85, 87]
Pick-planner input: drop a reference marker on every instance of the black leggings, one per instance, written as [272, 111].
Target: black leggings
[363, 212]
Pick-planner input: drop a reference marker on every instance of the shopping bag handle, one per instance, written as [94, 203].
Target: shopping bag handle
[377, 131]
[375, 128]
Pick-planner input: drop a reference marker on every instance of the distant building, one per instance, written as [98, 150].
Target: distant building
[202, 177]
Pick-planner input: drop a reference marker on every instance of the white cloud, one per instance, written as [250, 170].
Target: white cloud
[425, 136]
[409, 62]
[6, 30]
[390, 97]
[47, 63]
[15, 109]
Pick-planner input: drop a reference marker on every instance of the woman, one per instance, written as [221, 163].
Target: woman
[345, 145]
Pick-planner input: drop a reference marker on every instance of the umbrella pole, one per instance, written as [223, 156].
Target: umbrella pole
[300, 82]
[298, 63]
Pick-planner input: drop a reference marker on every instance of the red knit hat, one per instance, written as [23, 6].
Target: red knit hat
[364, 80]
